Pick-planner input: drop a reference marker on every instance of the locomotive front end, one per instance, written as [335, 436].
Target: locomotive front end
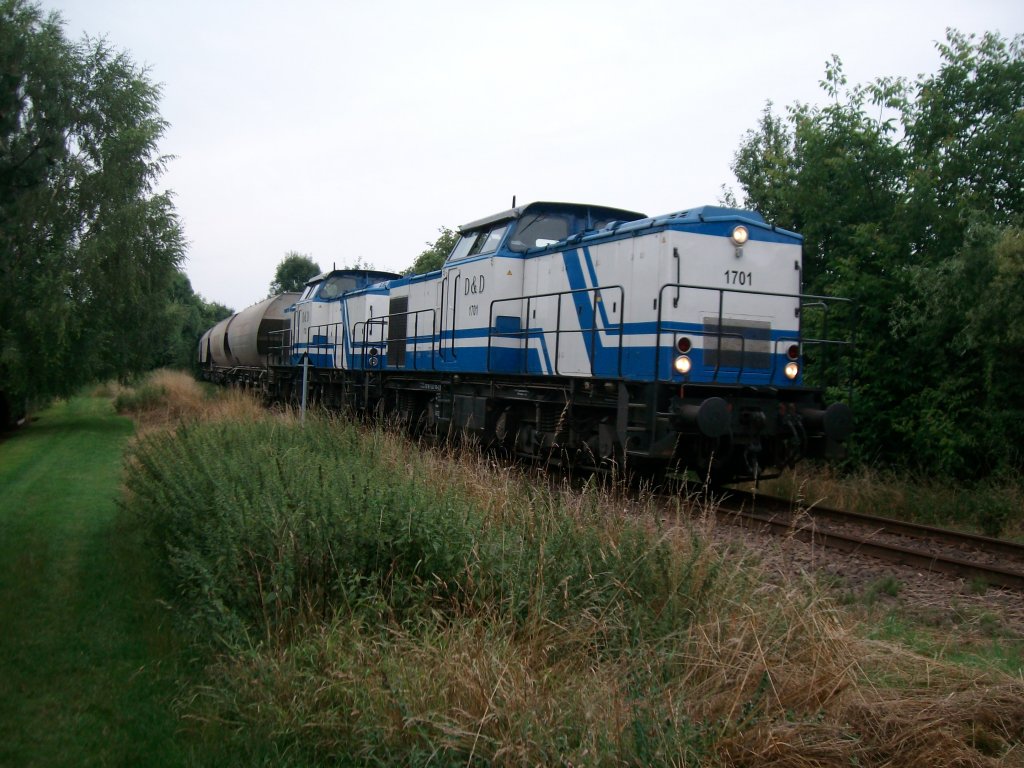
[731, 339]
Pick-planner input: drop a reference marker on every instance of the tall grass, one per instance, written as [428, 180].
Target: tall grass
[166, 398]
[362, 600]
[265, 525]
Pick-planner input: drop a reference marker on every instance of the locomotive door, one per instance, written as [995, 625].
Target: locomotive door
[450, 287]
[555, 345]
[398, 330]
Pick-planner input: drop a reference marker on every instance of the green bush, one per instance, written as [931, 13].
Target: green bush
[264, 524]
[141, 398]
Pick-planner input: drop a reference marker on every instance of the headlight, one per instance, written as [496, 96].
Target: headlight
[682, 364]
[792, 369]
[740, 235]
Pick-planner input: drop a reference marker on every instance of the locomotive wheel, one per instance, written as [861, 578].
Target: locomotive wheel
[714, 465]
[501, 439]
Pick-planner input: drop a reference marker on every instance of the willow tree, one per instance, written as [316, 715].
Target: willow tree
[88, 247]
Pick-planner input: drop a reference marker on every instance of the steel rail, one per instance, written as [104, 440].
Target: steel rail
[885, 524]
[934, 562]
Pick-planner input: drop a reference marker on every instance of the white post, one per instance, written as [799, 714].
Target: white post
[305, 387]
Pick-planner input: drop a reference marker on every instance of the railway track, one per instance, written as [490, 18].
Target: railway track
[996, 562]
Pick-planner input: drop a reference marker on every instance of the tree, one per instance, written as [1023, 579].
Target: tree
[434, 256]
[187, 317]
[358, 263]
[88, 250]
[910, 201]
[293, 272]
[966, 133]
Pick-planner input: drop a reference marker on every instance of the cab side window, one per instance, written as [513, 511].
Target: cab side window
[330, 290]
[480, 242]
[491, 241]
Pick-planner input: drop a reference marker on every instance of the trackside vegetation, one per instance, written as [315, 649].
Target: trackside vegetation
[91, 251]
[909, 196]
[359, 600]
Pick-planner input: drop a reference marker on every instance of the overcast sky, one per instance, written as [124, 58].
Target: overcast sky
[354, 130]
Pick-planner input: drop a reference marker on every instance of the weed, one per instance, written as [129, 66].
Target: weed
[889, 586]
[977, 585]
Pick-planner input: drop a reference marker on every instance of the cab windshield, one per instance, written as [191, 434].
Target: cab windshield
[538, 230]
[333, 287]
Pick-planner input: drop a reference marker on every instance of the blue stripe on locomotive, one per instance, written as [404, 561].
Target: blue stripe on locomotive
[536, 360]
[637, 363]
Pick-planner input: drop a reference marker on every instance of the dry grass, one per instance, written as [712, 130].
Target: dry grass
[767, 671]
[782, 684]
[479, 688]
[167, 398]
[952, 720]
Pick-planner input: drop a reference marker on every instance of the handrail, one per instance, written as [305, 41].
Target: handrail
[281, 349]
[806, 301]
[322, 338]
[415, 339]
[318, 340]
[440, 328]
[524, 334]
[367, 324]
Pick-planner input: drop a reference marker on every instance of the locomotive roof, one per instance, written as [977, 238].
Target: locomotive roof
[370, 273]
[714, 213]
[703, 213]
[601, 211]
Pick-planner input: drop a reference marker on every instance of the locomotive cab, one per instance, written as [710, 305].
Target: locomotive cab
[318, 324]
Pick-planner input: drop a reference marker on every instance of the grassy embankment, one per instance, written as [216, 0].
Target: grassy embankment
[357, 600]
[87, 671]
[363, 601]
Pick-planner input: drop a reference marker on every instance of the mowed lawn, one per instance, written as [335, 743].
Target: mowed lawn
[87, 666]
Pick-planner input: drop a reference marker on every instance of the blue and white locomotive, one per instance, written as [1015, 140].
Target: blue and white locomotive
[581, 334]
